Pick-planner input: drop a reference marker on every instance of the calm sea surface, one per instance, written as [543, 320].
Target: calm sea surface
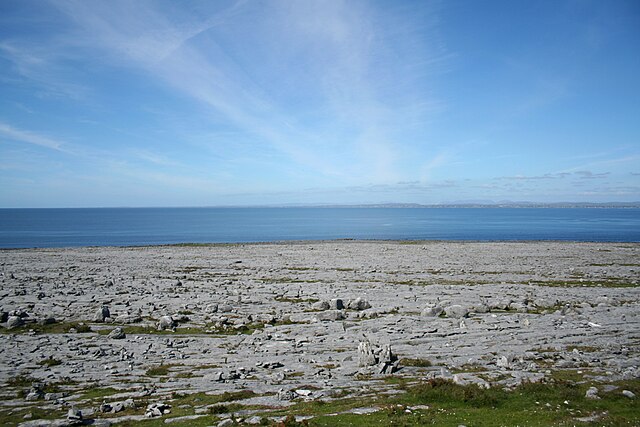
[151, 226]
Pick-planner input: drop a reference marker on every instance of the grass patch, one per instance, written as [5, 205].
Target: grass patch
[52, 328]
[442, 402]
[468, 368]
[12, 418]
[415, 362]
[225, 408]
[296, 300]
[99, 393]
[50, 361]
[160, 371]
[602, 283]
[583, 348]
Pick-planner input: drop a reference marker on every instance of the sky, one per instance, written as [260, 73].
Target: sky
[218, 103]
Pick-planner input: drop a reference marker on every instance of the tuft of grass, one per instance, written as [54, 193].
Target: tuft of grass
[160, 371]
[415, 362]
[51, 328]
[225, 408]
[99, 393]
[50, 361]
[296, 300]
[442, 402]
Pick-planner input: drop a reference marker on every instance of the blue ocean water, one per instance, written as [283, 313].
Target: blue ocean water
[21, 228]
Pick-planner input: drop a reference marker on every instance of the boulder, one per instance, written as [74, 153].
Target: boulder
[456, 311]
[336, 304]
[358, 304]
[166, 322]
[117, 334]
[320, 305]
[365, 354]
[157, 409]
[225, 308]
[286, 395]
[14, 322]
[387, 361]
[330, 315]
[102, 314]
[74, 414]
[432, 311]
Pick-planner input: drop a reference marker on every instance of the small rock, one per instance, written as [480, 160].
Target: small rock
[166, 322]
[629, 394]
[225, 423]
[456, 311]
[432, 311]
[330, 315]
[157, 409]
[117, 407]
[117, 334]
[286, 395]
[320, 305]
[225, 308]
[592, 393]
[14, 322]
[74, 414]
[358, 304]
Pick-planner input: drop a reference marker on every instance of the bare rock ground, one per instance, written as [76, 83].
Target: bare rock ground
[281, 322]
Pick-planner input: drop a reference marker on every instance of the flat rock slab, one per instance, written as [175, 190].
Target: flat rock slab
[225, 318]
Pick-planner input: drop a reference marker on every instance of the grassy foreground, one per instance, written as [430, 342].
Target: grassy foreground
[439, 402]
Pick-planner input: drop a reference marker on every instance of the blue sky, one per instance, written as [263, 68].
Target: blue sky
[201, 103]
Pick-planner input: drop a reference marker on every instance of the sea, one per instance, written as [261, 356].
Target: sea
[42, 228]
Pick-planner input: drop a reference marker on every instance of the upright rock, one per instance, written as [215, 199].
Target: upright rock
[365, 354]
[336, 304]
[387, 361]
[102, 314]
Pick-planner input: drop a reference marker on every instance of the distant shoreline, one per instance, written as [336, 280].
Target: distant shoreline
[196, 245]
[515, 205]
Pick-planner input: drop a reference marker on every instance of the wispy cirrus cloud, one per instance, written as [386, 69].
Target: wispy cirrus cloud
[335, 53]
[30, 137]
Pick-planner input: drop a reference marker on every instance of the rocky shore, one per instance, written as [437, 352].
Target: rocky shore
[224, 334]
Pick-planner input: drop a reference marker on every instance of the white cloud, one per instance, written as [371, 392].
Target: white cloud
[29, 137]
[339, 51]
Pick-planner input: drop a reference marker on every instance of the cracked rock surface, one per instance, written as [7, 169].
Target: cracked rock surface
[303, 320]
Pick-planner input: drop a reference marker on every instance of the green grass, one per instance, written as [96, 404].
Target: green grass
[50, 361]
[450, 404]
[99, 393]
[53, 328]
[296, 300]
[602, 283]
[418, 363]
[160, 371]
[11, 418]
